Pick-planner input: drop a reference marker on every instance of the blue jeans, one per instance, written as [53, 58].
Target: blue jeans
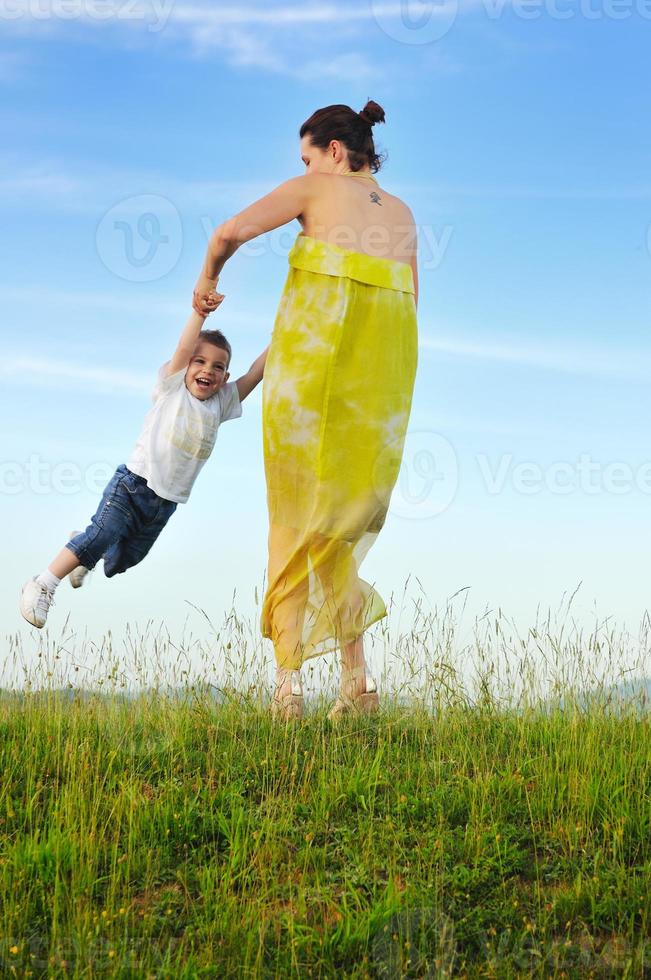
[128, 520]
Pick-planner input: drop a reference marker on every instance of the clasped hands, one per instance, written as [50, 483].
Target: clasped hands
[205, 298]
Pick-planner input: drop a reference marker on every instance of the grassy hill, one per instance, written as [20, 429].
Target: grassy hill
[164, 837]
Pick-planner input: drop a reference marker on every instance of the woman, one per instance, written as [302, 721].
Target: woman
[337, 394]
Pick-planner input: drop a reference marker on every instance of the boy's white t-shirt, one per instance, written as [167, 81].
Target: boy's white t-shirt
[179, 433]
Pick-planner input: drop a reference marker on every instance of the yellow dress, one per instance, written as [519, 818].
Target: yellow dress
[337, 395]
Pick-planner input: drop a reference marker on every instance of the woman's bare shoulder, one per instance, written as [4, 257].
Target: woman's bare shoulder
[312, 185]
[398, 204]
[316, 180]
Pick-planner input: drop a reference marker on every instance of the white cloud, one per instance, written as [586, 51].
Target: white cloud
[563, 359]
[38, 182]
[50, 185]
[245, 50]
[553, 191]
[283, 16]
[248, 321]
[269, 38]
[286, 15]
[62, 375]
[274, 39]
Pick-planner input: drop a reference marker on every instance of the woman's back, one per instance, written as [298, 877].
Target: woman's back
[355, 213]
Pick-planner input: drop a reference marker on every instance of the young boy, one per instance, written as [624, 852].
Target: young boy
[191, 399]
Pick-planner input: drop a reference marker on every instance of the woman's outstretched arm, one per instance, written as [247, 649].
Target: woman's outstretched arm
[286, 202]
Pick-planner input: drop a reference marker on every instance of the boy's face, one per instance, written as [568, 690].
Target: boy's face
[207, 371]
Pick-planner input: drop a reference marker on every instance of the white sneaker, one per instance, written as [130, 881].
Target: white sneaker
[35, 602]
[78, 574]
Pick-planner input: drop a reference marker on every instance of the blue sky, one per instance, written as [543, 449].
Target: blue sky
[517, 133]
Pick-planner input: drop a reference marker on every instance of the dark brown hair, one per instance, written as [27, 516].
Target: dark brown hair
[353, 129]
[217, 338]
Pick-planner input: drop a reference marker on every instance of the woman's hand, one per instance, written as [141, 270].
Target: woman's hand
[206, 303]
[205, 298]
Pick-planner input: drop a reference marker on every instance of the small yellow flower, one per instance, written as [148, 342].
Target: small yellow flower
[111, 953]
[13, 949]
[403, 798]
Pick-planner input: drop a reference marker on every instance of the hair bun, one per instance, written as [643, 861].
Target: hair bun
[372, 113]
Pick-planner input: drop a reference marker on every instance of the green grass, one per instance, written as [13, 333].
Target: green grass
[179, 837]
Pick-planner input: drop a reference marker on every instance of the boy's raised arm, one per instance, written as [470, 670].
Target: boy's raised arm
[247, 382]
[187, 342]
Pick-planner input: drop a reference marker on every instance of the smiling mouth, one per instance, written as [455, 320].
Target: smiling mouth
[203, 382]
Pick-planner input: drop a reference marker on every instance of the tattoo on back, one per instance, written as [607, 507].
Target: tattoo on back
[375, 197]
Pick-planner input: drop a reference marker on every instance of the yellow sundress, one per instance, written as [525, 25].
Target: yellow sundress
[337, 395]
